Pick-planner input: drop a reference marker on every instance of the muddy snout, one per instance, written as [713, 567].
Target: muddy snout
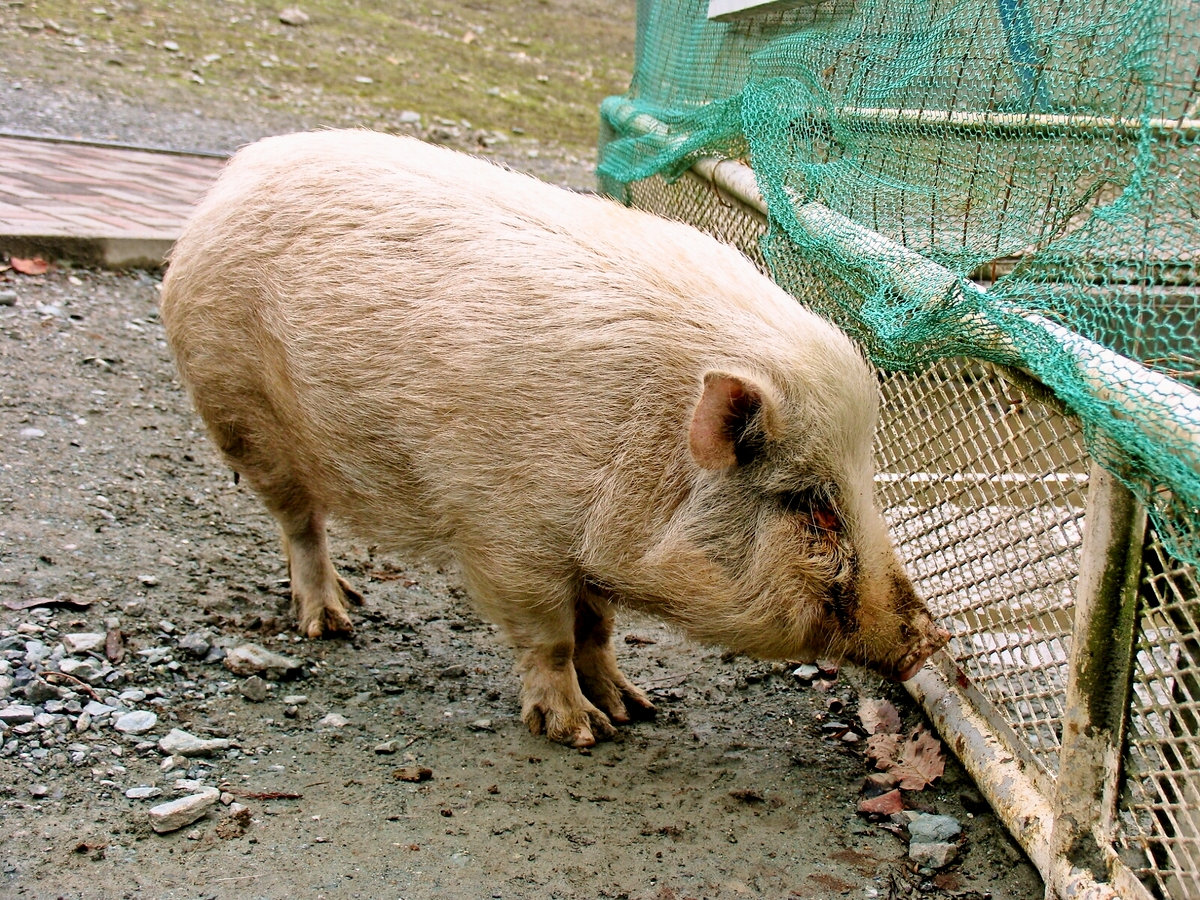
[914, 660]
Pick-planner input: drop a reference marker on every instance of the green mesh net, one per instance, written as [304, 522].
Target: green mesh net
[1009, 180]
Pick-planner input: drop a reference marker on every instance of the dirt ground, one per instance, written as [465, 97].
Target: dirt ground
[115, 508]
[111, 497]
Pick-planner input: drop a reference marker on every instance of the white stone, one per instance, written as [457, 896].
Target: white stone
[176, 814]
[82, 642]
[251, 659]
[179, 743]
[137, 722]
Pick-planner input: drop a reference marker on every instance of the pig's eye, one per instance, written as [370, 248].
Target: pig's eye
[814, 507]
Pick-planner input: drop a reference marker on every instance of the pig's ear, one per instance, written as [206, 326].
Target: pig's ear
[731, 423]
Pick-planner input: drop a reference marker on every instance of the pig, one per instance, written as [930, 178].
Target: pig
[583, 406]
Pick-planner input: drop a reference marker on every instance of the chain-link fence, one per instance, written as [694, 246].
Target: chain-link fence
[1071, 689]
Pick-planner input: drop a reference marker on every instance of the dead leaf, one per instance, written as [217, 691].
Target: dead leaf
[60, 600]
[916, 760]
[921, 761]
[31, 266]
[878, 716]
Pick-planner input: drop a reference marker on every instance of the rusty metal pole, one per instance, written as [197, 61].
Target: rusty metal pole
[1098, 685]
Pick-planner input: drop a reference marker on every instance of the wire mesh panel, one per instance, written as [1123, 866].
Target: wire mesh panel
[1159, 824]
[985, 490]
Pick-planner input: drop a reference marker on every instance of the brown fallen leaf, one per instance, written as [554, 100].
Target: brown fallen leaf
[31, 266]
[921, 761]
[916, 760]
[60, 600]
[878, 716]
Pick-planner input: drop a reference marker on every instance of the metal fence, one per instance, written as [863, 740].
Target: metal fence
[1071, 688]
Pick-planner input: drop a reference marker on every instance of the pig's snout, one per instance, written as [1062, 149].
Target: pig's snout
[899, 634]
[915, 659]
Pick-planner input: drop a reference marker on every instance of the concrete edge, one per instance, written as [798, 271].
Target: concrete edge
[146, 252]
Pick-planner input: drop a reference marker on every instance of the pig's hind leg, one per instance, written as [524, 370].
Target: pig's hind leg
[601, 679]
[319, 595]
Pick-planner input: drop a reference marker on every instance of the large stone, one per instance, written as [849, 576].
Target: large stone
[137, 722]
[931, 829]
[176, 814]
[933, 855]
[178, 742]
[83, 642]
[251, 659]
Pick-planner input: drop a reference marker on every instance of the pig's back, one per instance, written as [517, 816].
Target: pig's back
[435, 334]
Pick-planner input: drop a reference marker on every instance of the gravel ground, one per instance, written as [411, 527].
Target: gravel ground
[134, 574]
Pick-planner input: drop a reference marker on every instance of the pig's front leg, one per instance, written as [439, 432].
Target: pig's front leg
[601, 679]
[552, 702]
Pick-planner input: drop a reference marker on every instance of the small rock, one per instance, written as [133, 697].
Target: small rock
[931, 829]
[86, 669]
[196, 644]
[333, 720]
[17, 714]
[254, 689]
[38, 791]
[935, 854]
[8, 298]
[883, 805]
[387, 747]
[178, 742]
[806, 672]
[176, 814]
[453, 672]
[37, 691]
[143, 792]
[82, 642]
[98, 710]
[295, 699]
[251, 659]
[406, 117]
[294, 16]
[32, 433]
[481, 725]
[413, 774]
[136, 722]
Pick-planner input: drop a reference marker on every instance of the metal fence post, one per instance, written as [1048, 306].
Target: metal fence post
[1099, 679]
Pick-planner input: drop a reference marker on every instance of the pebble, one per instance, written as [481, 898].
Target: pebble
[254, 689]
[178, 742]
[82, 642]
[931, 829]
[176, 814]
[333, 720]
[251, 659]
[87, 669]
[196, 644]
[935, 854]
[387, 747]
[295, 699]
[294, 16]
[8, 298]
[17, 714]
[136, 722]
[143, 792]
[32, 433]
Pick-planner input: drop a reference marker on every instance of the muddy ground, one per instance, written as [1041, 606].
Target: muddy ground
[114, 507]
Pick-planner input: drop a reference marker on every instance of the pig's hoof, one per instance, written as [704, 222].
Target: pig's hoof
[579, 729]
[327, 623]
[353, 597]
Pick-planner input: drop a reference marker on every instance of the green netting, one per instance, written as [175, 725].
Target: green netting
[1010, 180]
